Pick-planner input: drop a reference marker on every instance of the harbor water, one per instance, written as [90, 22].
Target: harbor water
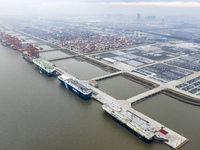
[80, 69]
[38, 113]
[120, 88]
[53, 54]
[180, 117]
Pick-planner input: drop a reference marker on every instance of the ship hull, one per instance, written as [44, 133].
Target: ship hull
[118, 121]
[45, 67]
[131, 130]
[27, 59]
[62, 81]
[50, 74]
[138, 135]
[84, 96]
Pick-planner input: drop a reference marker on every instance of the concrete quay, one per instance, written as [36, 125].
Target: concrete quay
[175, 140]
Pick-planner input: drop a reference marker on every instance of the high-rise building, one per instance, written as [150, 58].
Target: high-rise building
[151, 18]
[138, 17]
[137, 34]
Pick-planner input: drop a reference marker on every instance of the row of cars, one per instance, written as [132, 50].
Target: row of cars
[191, 86]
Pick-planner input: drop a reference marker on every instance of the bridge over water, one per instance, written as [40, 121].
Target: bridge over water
[107, 76]
[144, 95]
[61, 58]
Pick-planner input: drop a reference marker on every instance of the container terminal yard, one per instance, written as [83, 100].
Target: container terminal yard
[161, 67]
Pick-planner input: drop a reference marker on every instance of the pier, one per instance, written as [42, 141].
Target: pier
[107, 76]
[59, 71]
[49, 50]
[61, 58]
[144, 95]
[174, 140]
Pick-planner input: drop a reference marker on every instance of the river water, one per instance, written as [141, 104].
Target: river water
[38, 113]
[120, 88]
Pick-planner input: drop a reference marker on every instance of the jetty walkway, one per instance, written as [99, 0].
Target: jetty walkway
[107, 76]
[61, 58]
[175, 140]
[144, 95]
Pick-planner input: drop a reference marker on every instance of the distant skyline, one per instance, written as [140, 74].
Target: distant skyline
[154, 3]
[86, 7]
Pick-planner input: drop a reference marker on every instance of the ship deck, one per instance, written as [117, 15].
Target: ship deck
[175, 140]
[83, 88]
[43, 63]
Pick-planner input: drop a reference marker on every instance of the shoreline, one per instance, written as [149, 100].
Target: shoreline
[149, 84]
[146, 83]
[181, 97]
[142, 81]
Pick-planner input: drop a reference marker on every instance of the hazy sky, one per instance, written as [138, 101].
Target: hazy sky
[127, 7]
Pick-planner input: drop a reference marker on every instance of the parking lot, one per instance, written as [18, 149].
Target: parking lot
[186, 62]
[166, 73]
[191, 86]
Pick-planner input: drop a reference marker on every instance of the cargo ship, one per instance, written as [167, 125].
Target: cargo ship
[4, 43]
[76, 87]
[131, 122]
[27, 57]
[45, 67]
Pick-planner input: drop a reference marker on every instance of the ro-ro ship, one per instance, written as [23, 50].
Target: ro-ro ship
[45, 66]
[76, 87]
[133, 123]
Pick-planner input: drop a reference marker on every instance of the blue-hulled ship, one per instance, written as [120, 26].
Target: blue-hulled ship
[133, 123]
[76, 87]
